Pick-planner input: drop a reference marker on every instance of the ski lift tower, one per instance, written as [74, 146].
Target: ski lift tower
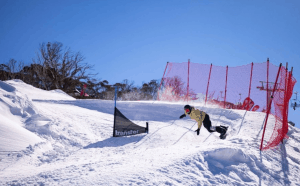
[269, 90]
[294, 105]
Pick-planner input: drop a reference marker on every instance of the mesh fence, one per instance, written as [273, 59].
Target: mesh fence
[279, 109]
[248, 87]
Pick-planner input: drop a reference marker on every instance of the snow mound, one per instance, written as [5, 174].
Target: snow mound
[224, 157]
[6, 87]
[14, 107]
[34, 93]
[18, 103]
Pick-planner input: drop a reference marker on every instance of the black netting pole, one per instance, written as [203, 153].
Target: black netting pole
[267, 83]
[208, 83]
[250, 85]
[162, 80]
[226, 85]
[285, 103]
[188, 83]
[269, 107]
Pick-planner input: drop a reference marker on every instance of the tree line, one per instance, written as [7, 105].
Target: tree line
[57, 68]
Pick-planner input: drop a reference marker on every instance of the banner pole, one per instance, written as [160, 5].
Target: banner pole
[114, 133]
[115, 96]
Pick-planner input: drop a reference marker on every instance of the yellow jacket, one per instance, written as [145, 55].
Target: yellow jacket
[197, 115]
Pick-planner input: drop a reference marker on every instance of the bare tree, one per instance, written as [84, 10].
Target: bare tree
[12, 63]
[127, 86]
[58, 69]
[150, 89]
[4, 72]
[20, 67]
[11, 70]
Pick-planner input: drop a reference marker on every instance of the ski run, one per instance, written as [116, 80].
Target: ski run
[50, 138]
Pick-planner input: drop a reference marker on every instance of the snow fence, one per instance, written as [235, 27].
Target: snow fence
[251, 87]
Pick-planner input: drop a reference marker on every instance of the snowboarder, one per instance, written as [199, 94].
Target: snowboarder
[200, 117]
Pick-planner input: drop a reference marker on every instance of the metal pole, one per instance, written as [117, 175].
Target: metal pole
[269, 106]
[287, 99]
[291, 80]
[162, 81]
[226, 85]
[114, 133]
[285, 104]
[286, 75]
[188, 83]
[115, 96]
[208, 83]
[250, 85]
[267, 83]
[288, 84]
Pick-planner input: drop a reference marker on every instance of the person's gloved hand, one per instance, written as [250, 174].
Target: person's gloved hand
[182, 116]
[198, 131]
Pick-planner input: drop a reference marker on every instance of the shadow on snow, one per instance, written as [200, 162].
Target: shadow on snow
[115, 142]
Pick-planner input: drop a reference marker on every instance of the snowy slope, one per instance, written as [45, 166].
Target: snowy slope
[14, 107]
[77, 146]
[38, 94]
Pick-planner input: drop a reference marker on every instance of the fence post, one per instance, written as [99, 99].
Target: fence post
[269, 106]
[226, 86]
[162, 81]
[208, 83]
[285, 104]
[250, 85]
[286, 75]
[267, 84]
[188, 83]
[290, 79]
[287, 85]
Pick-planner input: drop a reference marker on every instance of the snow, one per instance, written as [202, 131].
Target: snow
[49, 138]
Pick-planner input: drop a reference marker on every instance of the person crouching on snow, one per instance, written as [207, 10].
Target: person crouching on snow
[200, 117]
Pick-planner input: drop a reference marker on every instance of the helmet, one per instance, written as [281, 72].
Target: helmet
[188, 109]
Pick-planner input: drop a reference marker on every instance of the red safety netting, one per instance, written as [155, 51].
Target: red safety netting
[247, 87]
[279, 109]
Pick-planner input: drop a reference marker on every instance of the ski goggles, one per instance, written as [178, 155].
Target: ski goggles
[187, 111]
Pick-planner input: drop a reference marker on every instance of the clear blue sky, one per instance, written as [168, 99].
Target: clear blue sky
[133, 39]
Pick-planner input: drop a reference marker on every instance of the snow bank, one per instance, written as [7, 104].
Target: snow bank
[14, 107]
[36, 93]
[21, 122]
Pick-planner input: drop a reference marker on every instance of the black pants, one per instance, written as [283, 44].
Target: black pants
[207, 125]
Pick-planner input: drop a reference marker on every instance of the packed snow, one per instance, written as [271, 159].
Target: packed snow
[50, 138]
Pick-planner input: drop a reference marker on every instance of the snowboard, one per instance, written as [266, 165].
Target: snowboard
[225, 135]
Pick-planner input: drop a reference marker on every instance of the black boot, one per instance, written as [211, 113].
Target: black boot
[222, 130]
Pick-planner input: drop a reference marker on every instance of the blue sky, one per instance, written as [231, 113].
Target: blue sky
[133, 39]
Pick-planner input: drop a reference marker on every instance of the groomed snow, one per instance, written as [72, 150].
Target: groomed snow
[49, 138]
